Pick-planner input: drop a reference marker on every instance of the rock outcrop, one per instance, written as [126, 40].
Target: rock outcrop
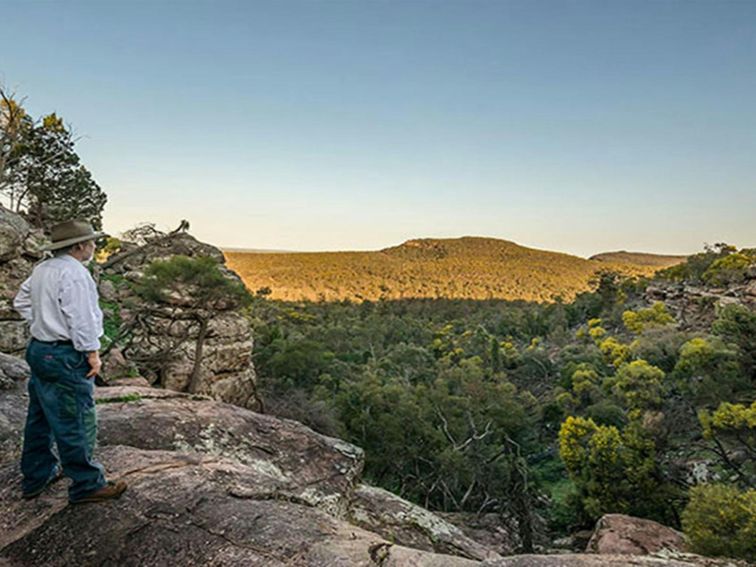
[621, 534]
[160, 348]
[19, 250]
[694, 306]
[162, 343]
[307, 467]
[187, 509]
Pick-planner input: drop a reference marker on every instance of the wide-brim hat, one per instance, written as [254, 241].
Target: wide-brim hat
[71, 232]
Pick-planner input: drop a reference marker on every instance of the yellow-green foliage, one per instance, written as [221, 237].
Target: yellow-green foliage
[586, 382]
[640, 320]
[729, 269]
[509, 352]
[732, 427]
[639, 384]
[566, 401]
[112, 245]
[695, 353]
[721, 520]
[584, 379]
[613, 469]
[597, 333]
[709, 369]
[573, 441]
[729, 418]
[614, 351]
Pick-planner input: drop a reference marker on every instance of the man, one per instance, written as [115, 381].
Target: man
[60, 302]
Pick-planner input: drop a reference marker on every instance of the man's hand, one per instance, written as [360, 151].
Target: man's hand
[95, 363]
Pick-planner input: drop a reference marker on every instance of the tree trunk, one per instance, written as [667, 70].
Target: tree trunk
[201, 335]
[522, 505]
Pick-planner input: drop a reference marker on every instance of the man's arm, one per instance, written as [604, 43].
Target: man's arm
[22, 302]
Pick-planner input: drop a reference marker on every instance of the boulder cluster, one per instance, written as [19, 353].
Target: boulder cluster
[695, 306]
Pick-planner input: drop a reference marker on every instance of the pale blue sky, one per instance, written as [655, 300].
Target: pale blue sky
[566, 125]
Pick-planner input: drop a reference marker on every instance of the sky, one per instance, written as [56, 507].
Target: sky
[569, 125]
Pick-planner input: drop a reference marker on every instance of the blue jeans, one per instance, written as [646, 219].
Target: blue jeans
[61, 408]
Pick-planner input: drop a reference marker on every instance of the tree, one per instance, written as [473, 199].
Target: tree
[586, 383]
[614, 470]
[639, 385]
[199, 288]
[736, 324]
[732, 430]
[694, 267]
[13, 124]
[709, 371]
[41, 175]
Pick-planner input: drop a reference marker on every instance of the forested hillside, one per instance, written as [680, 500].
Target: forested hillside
[458, 268]
[547, 414]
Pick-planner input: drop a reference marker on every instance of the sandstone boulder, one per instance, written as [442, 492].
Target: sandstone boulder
[400, 521]
[621, 534]
[309, 467]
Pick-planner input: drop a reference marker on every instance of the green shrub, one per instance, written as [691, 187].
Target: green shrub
[721, 520]
[639, 385]
[709, 371]
[642, 319]
[730, 269]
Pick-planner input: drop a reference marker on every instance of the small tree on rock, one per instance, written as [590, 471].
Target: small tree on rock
[201, 289]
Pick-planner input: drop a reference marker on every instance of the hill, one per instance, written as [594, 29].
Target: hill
[458, 268]
[640, 258]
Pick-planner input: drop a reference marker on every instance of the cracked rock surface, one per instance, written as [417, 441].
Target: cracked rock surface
[209, 484]
[185, 510]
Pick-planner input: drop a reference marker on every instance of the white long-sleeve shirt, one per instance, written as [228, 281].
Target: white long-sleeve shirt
[60, 301]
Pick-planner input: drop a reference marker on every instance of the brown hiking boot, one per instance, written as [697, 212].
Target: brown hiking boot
[112, 490]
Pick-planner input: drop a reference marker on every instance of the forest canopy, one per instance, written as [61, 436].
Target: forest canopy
[549, 414]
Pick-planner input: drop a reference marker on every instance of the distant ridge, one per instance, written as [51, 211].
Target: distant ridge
[258, 250]
[470, 267]
[639, 258]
